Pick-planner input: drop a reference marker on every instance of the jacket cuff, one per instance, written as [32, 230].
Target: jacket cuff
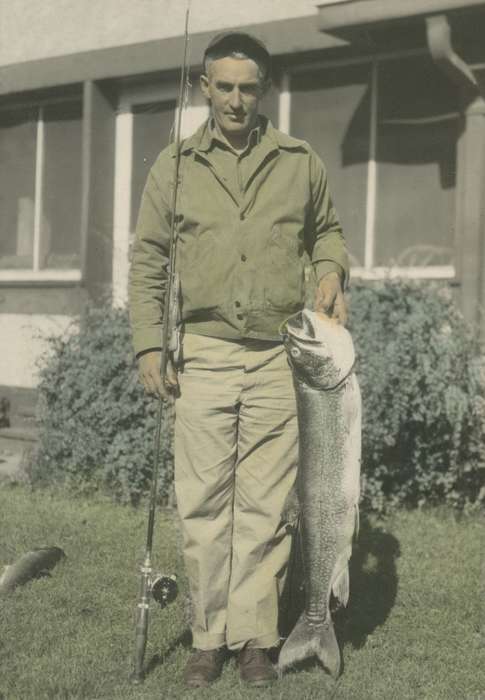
[323, 267]
[147, 339]
[145, 352]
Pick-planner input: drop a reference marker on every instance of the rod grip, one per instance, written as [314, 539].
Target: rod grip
[140, 643]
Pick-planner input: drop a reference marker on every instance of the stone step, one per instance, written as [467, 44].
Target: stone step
[15, 459]
[19, 433]
[17, 406]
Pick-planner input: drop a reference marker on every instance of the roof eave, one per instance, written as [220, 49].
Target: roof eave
[353, 13]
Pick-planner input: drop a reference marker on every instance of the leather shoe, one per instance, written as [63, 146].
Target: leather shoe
[255, 667]
[203, 667]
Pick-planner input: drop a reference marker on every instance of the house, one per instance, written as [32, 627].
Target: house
[389, 92]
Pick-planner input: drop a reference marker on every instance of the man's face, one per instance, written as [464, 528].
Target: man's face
[234, 89]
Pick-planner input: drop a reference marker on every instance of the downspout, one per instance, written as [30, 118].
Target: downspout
[438, 34]
[470, 219]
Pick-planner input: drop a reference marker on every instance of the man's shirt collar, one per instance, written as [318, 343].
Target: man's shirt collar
[203, 139]
[212, 138]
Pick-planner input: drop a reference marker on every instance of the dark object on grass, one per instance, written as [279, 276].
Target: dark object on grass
[321, 355]
[34, 564]
[4, 412]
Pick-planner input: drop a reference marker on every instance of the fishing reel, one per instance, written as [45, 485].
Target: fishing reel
[164, 589]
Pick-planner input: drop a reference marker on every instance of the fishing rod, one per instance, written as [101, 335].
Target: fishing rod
[162, 588]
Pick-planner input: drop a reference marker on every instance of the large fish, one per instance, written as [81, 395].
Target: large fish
[31, 565]
[321, 354]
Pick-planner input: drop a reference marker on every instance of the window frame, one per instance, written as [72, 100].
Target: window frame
[130, 97]
[368, 271]
[36, 273]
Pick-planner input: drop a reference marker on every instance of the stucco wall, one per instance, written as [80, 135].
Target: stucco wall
[23, 341]
[36, 29]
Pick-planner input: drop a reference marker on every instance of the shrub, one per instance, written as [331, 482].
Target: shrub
[419, 367]
[97, 427]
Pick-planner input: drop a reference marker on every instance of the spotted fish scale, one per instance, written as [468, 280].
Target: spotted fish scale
[322, 356]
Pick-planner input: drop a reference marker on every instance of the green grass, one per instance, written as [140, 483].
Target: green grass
[413, 628]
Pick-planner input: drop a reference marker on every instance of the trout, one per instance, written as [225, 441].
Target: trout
[321, 355]
[31, 565]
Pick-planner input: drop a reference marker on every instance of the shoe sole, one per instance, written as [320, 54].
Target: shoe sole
[198, 684]
[259, 684]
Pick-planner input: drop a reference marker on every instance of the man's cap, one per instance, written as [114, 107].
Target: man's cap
[240, 41]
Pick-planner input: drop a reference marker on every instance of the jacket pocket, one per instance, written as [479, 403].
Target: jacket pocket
[205, 268]
[284, 288]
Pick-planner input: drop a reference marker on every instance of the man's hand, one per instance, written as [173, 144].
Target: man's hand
[330, 298]
[149, 373]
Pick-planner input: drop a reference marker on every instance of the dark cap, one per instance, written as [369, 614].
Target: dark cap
[240, 41]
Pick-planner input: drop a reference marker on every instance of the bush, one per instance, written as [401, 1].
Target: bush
[419, 370]
[97, 427]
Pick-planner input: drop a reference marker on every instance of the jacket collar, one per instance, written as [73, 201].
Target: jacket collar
[201, 140]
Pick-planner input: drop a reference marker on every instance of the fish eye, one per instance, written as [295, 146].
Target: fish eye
[295, 352]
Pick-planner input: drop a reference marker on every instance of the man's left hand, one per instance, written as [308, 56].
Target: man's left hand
[330, 298]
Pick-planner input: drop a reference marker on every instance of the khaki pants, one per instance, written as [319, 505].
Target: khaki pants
[235, 463]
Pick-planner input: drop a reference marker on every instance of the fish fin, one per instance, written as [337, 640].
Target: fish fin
[341, 586]
[357, 521]
[4, 573]
[43, 573]
[340, 577]
[308, 640]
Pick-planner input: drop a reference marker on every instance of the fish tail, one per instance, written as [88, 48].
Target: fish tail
[308, 640]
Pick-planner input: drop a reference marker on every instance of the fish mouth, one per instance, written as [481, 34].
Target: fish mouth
[299, 327]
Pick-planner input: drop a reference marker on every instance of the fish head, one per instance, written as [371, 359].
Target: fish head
[320, 350]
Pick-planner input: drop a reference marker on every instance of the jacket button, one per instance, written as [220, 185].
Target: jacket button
[237, 303]
[241, 216]
[240, 317]
[243, 258]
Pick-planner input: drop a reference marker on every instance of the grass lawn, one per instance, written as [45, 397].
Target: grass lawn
[413, 629]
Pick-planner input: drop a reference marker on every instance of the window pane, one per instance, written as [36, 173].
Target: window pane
[416, 144]
[330, 110]
[269, 105]
[152, 124]
[61, 202]
[17, 186]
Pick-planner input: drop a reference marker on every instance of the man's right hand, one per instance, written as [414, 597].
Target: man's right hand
[149, 373]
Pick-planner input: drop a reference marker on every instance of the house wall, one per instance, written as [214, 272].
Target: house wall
[61, 27]
[125, 40]
[23, 342]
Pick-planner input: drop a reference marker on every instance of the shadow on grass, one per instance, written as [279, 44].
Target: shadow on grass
[184, 639]
[373, 590]
[373, 587]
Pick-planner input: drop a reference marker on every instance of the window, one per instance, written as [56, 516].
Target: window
[330, 109]
[416, 157]
[152, 127]
[146, 117]
[387, 131]
[40, 188]
[18, 133]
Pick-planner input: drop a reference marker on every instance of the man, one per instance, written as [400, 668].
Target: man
[254, 209]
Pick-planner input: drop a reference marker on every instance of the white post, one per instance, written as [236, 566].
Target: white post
[39, 168]
[284, 106]
[122, 206]
[370, 222]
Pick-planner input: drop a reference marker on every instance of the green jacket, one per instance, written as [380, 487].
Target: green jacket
[248, 226]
